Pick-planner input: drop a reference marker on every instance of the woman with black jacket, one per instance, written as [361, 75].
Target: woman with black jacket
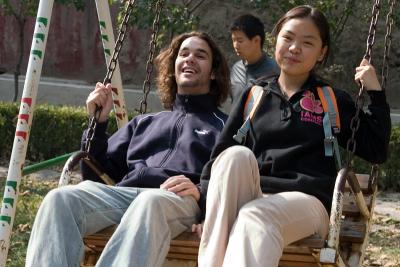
[276, 187]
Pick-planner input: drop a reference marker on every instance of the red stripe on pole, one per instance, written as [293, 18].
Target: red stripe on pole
[21, 134]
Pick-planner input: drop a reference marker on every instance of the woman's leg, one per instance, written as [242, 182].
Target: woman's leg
[266, 225]
[235, 180]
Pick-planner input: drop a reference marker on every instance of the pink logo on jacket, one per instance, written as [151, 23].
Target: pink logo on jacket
[311, 108]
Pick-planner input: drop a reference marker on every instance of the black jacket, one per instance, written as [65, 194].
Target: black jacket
[152, 147]
[287, 138]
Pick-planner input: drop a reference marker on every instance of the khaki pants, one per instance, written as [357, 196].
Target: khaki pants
[243, 227]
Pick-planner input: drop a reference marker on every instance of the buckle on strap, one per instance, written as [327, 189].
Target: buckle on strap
[240, 136]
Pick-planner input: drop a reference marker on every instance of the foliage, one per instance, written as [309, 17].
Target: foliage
[29, 199]
[175, 17]
[8, 119]
[389, 171]
[28, 8]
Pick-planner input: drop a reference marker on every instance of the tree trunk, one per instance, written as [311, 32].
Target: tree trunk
[17, 72]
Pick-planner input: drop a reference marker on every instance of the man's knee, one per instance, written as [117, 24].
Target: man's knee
[62, 197]
[151, 199]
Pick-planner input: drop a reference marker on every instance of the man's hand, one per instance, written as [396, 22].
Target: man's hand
[100, 97]
[182, 186]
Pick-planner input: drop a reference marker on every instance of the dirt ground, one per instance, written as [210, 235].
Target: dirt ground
[384, 246]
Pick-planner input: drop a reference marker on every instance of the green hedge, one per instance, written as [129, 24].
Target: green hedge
[57, 131]
[390, 171]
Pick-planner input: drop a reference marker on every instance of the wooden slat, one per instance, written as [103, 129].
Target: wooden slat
[298, 250]
[186, 239]
[179, 263]
[353, 232]
[182, 256]
[297, 264]
[184, 250]
[362, 180]
[350, 207]
[298, 257]
[314, 241]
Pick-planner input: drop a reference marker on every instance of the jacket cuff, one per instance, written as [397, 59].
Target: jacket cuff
[377, 97]
[101, 129]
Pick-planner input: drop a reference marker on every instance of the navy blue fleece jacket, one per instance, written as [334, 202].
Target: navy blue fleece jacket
[152, 147]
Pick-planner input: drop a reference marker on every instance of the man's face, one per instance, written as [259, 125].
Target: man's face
[193, 67]
[244, 47]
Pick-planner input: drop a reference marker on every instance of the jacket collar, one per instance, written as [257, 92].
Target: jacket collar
[195, 103]
[256, 64]
[312, 82]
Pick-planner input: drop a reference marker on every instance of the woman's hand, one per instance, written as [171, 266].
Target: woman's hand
[182, 186]
[366, 75]
[100, 97]
[198, 229]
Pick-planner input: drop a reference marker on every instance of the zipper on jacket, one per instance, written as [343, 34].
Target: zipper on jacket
[178, 127]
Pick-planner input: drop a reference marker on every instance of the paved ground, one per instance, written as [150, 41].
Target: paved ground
[72, 92]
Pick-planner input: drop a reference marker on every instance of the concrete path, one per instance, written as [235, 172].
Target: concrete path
[74, 92]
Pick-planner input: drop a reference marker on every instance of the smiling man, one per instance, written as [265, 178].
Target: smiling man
[155, 160]
[248, 36]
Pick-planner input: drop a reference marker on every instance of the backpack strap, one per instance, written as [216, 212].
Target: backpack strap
[250, 107]
[330, 121]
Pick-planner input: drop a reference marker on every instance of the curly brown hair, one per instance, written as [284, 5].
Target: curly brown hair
[165, 63]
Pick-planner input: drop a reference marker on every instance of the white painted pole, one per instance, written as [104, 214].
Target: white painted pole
[24, 123]
[107, 37]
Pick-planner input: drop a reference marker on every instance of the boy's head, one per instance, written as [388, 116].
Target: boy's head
[248, 35]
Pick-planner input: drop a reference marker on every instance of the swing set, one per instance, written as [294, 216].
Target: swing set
[354, 194]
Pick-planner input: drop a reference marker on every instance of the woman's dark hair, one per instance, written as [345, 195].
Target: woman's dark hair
[165, 63]
[316, 16]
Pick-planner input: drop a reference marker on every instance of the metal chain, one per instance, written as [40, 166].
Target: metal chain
[388, 42]
[152, 51]
[120, 40]
[355, 121]
[90, 131]
[110, 71]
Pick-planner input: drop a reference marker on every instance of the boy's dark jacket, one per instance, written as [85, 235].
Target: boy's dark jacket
[153, 147]
[287, 138]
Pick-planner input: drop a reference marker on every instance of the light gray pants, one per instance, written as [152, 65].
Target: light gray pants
[243, 227]
[148, 219]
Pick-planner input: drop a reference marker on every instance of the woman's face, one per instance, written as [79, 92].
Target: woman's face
[298, 47]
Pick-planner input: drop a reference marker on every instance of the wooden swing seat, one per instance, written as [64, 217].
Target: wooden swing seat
[353, 239]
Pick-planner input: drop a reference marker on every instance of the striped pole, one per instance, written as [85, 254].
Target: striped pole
[24, 122]
[107, 37]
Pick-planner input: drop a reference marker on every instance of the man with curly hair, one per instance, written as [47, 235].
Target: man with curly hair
[155, 160]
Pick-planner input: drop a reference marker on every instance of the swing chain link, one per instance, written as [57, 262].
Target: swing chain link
[388, 42]
[120, 40]
[355, 121]
[110, 71]
[152, 51]
[90, 131]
